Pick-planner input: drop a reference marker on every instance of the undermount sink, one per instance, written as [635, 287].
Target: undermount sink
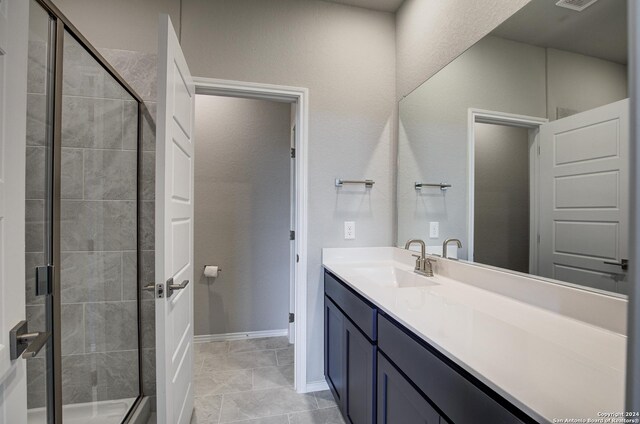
[390, 276]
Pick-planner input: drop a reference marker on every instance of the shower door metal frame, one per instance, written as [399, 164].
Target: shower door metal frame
[62, 25]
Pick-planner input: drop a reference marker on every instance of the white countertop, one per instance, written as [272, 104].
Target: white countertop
[550, 365]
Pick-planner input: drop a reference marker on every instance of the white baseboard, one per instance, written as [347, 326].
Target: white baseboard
[316, 386]
[239, 336]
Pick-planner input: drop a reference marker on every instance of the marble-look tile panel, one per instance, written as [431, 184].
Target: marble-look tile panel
[111, 326]
[148, 182]
[264, 343]
[79, 378]
[72, 328]
[36, 175]
[148, 323]
[34, 226]
[264, 378]
[149, 127]
[98, 225]
[117, 375]
[137, 68]
[221, 382]
[71, 174]
[90, 277]
[241, 360]
[110, 174]
[149, 371]
[84, 76]
[320, 416]
[264, 403]
[147, 225]
[36, 119]
[37, 66]
[91, 122]
[285, 356]
[36, 382]
[206, 409]
[130, 125]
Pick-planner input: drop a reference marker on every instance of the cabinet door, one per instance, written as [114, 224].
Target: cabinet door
[398, 401]
[334, 367]
[360, 360]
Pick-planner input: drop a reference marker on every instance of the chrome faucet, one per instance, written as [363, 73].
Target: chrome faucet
[446, 242]
[423, 264]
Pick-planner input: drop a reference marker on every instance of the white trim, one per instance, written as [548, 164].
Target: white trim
[512, 120]
[299, 96]
[203, 338]
[317, 386]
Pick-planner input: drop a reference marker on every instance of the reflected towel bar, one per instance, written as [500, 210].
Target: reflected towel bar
[367, 183]
[443, 186]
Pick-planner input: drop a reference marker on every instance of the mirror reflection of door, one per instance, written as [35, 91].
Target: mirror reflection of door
[501, 193]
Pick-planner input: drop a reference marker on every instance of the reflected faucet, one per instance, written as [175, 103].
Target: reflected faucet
[423, 264]
[446, 242]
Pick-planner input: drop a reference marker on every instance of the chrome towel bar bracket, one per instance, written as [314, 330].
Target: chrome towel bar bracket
[367, 183]
[443, 186]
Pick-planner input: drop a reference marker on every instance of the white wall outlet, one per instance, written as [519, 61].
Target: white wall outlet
[349, 230]
[434, 229]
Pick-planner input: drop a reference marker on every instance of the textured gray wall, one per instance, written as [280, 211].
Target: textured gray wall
[433, 130]
[579, 83]
[501, 221]
[121, 24]
[431, 33]
[345, 56]
[241, 214]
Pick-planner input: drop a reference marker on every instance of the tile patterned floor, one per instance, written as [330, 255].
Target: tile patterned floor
[251, 382]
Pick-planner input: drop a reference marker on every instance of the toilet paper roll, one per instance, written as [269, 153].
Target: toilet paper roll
[211, 271]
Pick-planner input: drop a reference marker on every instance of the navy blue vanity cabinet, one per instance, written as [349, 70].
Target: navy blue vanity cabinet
[334, 350]
[350, 351]
[456, 394]
[398, 401]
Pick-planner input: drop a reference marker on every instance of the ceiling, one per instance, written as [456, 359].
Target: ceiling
[380, 5]
[599, 31]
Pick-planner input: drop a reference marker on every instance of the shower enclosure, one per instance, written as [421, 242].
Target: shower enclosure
[82, 219]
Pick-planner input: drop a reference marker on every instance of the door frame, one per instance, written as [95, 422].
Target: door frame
[533, 123]
[298, 96]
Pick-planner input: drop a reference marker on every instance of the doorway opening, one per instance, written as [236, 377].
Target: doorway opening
[503, 189]
[250, 223]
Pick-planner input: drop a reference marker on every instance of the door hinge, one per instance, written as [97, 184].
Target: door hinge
[538, 238]
[44, 279]
[538, 150]
[292, 235]
[297, 258]
[293, 153]
[292, 317]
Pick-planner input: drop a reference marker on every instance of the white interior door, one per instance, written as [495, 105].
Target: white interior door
[174, 230]
[14, 24]
[584, 209]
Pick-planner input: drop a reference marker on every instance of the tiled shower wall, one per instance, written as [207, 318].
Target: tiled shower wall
[98, 234]
[140, 71]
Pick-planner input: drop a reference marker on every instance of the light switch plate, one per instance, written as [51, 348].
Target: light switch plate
[349, 230]
[434, 229]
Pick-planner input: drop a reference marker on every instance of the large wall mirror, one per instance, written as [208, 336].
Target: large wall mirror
[519, 148]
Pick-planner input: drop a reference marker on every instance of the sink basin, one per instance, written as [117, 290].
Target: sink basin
[390, 276]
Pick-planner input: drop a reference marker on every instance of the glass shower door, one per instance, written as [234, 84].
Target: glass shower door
[38, 207]
[98, 242]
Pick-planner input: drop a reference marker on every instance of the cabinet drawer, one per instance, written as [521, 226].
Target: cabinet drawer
[357, 309]
[458, 398]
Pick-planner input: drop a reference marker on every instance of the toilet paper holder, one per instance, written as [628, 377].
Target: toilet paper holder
[219, 268]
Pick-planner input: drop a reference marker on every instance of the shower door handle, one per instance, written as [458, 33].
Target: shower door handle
[25, 344]
[171, 287]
